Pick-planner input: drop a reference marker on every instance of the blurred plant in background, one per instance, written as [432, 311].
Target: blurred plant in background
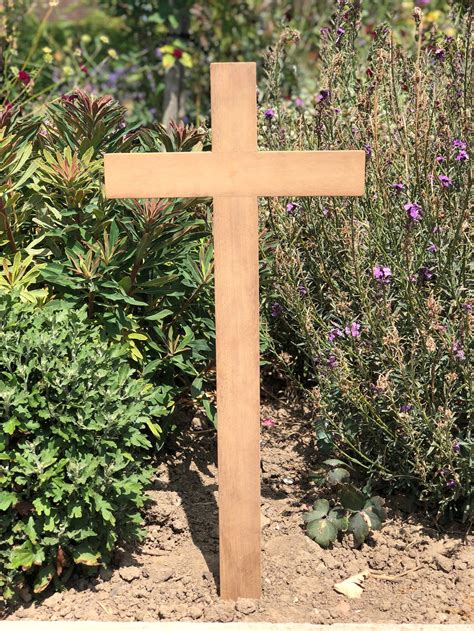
[152, 55]
[368, 305]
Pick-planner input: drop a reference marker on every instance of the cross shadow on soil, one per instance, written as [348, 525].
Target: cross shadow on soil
[192, 475]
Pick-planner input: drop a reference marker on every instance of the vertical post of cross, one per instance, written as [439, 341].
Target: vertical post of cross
[234, 129]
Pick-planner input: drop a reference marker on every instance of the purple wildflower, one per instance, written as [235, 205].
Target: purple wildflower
[440, 54]
[340, 31]
[445, 181]
[462, 156]
[302, 290]
[368, 150]
[333, 334]
[325, 31]
[382, 274]
[440, 159]
[459, 144]
[451, 484]
[291, 208]
[322, 96]
[299, 102]
[269, 113]
[276, 310]
[413, 211]
[332, 361]
[353, 330]
[467, 306]
[432, 248]
[325, 211]
[406, 408]
[424, 273]
[398, 186]
[456, 447]
[268, 422]
[158, 53]
[458, 351]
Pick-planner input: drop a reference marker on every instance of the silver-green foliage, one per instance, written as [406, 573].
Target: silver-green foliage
[369, 299]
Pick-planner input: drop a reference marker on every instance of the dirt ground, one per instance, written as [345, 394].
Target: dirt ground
[420, 575]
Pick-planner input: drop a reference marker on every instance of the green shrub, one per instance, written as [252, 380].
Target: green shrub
[367, 299]
[143, 268]
[75, 436]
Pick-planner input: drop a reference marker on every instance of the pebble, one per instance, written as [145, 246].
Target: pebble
[245, 606]
[162, 574]
[129, 573]
[444, 563]
[195, 612]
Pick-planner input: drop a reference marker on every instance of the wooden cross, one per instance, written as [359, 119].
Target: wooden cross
[234, 174]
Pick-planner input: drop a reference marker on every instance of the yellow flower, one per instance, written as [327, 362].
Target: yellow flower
[86, 38]
[449, 31]
[67, 71]
[433, 16]
[112, 53]
[104, 39]
[48, 58]
[47, 50]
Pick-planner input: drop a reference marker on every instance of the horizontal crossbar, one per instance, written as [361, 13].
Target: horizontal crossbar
[239, 174]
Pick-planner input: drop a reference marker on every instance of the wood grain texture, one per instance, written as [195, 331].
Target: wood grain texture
[235, 227]
[229, 174]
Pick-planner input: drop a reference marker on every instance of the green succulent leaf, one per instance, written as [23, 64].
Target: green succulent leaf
[337, 476]
[339, 519]
[320, 509]
[375, 521]
[323, 531]
[377, 505]
[351, 498]
[359, 527]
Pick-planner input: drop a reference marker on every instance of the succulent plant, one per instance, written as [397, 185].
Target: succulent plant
[354, 511]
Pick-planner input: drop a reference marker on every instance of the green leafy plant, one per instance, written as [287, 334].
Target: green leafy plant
[77, 430]
[143, 268]
[353, 512]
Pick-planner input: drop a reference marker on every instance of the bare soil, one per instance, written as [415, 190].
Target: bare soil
[418, 574]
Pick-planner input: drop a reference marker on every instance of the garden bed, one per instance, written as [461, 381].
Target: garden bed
[417, 574]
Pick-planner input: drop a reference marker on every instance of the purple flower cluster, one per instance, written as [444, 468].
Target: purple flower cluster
[425, 273]
[398, 186]
[382, 274]
[458, 351]
[445, 181]
[269, 113]
[334, 334]
[413, 211]
[323, 96]
[291, 208]
[351, 330]
[276, 310]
